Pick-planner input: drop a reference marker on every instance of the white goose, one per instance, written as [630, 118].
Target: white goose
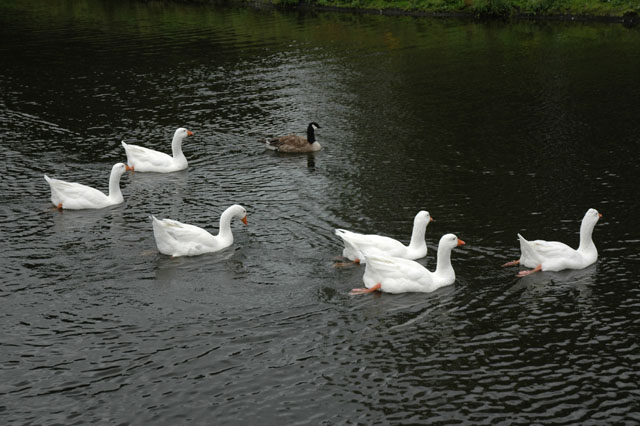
[141, 159]
[397, 275]
[355, 244]
[175, 239]
[555, 256]
[76, 196]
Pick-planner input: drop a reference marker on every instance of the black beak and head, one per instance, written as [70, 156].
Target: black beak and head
[311, 135]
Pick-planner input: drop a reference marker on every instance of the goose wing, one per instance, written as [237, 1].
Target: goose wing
[141, 157]
[290, 143]
[536, 252]
[396, 275]
[363, 243]
[178, 239]
[74, 195]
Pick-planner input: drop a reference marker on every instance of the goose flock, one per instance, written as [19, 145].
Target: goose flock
[390, 266]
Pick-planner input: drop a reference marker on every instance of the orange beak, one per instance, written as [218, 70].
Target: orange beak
[460, 242]
[189, 133]
[244, 220]
[431, 219]
[600, 215]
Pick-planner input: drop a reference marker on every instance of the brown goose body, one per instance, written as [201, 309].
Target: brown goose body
[296, 143]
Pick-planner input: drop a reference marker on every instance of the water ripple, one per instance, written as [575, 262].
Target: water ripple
[97, 324]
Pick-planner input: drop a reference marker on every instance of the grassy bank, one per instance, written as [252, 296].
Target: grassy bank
[617, 10]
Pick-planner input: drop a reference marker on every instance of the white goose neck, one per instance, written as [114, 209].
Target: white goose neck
[225, 224]
[417, 235]
[586, 237]
[114, 186]
[176, 146]
[444, 269]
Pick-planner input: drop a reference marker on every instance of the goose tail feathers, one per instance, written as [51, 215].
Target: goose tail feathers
[526, 250]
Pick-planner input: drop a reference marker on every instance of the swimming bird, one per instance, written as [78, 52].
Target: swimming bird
[142, 159]
[555, 256]
[296, 143]
[76, 196]
[397, 275]
[355, 244]
[175, 239]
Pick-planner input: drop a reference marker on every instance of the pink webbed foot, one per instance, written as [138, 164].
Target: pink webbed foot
[347, 263]
[529, 272]
[512, 263]
[373, 289]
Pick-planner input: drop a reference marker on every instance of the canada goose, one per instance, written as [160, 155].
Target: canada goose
[295, 143]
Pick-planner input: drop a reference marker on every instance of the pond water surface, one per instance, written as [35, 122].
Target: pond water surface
[493, 128]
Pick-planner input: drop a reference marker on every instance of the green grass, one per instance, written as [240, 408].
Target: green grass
[586, 8]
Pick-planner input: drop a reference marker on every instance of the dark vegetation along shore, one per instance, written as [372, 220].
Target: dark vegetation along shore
[625, 11]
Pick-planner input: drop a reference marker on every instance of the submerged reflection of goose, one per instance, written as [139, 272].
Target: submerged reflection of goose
[311, 162]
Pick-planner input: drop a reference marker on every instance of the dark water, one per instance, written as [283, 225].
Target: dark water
[494, 128]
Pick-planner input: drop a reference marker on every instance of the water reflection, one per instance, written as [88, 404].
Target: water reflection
[494, 128]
